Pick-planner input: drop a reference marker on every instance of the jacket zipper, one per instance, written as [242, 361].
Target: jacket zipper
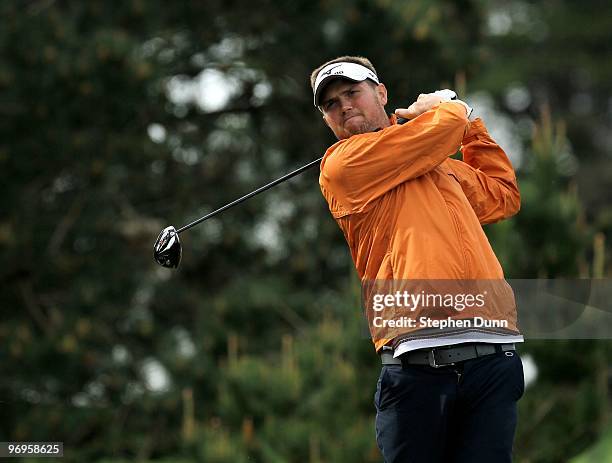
[459, 237]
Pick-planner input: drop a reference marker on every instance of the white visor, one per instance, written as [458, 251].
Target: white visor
[352, 71]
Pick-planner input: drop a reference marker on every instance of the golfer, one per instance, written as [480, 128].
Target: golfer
[450, 377]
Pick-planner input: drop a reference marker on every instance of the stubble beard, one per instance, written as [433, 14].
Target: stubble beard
[368, 126]
[364, 127]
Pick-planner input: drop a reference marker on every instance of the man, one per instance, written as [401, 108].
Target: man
[412, 215]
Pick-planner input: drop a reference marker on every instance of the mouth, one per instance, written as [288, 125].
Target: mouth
[351, 117]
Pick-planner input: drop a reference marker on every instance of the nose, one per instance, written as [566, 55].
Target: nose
[345, 104]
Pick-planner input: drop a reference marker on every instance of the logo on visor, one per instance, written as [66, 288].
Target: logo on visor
[328, 72]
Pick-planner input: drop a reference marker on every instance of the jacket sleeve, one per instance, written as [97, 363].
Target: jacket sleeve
[358, 170]
[486, 176]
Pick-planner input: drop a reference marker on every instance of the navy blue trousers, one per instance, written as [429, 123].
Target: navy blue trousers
[465, 413]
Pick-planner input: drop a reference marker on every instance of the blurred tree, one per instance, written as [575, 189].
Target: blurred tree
[549, 239]
[562, 70]
[120, 116]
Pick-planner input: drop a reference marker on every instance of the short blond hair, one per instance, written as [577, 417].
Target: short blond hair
[342, 59]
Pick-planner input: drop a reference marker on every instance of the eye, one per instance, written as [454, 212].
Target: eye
[329, 105]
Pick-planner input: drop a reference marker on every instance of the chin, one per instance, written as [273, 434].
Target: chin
[356, 129]
[364, 128]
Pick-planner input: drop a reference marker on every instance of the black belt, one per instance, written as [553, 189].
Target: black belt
[444, 356]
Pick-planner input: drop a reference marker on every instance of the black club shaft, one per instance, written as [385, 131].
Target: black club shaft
[251, 194]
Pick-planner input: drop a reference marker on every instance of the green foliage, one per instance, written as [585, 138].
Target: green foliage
[254, 350]
[600, 453]
[548, 238]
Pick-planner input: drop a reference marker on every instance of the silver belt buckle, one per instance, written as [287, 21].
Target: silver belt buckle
[432, 360]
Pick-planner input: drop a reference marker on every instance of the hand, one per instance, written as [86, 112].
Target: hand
[424, 102]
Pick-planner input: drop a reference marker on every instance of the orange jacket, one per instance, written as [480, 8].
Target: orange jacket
[408, 211]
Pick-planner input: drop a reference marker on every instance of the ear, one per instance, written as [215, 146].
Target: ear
[381, 91]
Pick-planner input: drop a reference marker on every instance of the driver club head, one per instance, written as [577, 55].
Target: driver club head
[167, 249]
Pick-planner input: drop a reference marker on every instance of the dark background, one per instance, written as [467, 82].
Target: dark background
[119, 118]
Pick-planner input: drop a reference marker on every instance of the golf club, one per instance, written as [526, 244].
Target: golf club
[167, 250]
